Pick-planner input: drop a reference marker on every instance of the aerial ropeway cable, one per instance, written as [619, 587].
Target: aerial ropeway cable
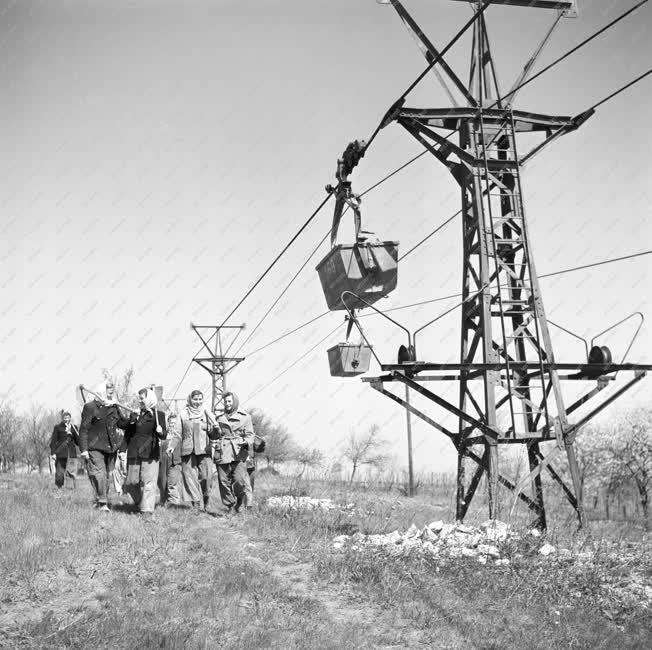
[390, 114]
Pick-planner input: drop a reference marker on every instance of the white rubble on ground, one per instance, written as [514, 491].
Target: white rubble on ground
[439, 539]
[288, 502]
[547, 549]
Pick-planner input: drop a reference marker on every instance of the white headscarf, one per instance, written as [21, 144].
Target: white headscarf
[100, 391]
[150, 401]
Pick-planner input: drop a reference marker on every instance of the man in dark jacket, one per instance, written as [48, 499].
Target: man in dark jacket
[141, 441]
[99, 440]
[63, 447]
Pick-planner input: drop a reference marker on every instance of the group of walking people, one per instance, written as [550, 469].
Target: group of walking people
[178, 454]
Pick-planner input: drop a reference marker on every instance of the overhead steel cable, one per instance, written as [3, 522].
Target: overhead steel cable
[287, 286]
[369, 189]
[294, 363]
[277, 258]
[449, 297]
[430, 66]
[620, 90]
[571, 51]
[402, 257]
[545, 275]
[258, 281]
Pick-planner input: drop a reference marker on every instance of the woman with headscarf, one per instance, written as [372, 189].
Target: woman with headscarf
[190, 433]
[234, 438]
[141, 442]
[99, 440]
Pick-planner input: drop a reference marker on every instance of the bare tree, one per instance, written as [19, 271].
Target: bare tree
[38, 429]
[619, 453]
[279, 444]
[364, 448]
[125, 392]
[307, 457]
[10, 442]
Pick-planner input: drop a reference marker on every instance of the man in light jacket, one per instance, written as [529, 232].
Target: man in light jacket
[232, 438]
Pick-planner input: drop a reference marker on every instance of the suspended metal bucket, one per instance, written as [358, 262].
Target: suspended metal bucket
[349, 359]
[370, 270]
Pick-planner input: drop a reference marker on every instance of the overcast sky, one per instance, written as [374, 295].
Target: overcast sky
[157, 155]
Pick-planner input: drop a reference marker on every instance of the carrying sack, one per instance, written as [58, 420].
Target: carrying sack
[259, 444]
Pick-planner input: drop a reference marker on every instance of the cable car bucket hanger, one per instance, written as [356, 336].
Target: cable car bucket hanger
[509, 381]
[366, 269]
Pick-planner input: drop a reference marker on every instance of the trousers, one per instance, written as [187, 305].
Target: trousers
[140, 483]
[64, 468]
[197, 472]
[100, 467]
[235, 489]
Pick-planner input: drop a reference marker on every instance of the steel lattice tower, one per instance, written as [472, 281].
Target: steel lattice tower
[509, 381]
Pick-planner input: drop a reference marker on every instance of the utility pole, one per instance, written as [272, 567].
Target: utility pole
[408, 417]
[216, 363]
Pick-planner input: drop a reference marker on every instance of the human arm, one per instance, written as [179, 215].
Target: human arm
[88, 413]
[161, 429]
[53, 440]
[247, 432]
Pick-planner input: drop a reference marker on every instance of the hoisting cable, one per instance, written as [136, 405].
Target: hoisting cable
[305, 354]
[620, 90]
[571, 51]
[449, 297]
[545, 275]
[397, 104]
[258, 281]
[369, 189]
[287, 286]
[277, 258]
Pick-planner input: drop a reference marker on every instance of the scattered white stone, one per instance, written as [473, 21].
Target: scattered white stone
[547, 549]
[488, 549]
[535, 532]
[306, 504]
[502, 562]
[437, 539]
[412, 531]
[496, 531]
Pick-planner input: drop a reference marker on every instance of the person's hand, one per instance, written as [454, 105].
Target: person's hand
[169, 451]
[85, 455]
[122, 455]
[53, 457]
[159, 429]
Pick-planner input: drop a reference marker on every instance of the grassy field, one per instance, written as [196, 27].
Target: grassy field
[74, 577]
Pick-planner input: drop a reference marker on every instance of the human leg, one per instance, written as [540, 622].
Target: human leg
[148, 479]
[175, 485]
[205, 467]
[60, 471]
[71, 471]
[241, 486]
[97, 474]
[190, 473]
[132, 486]
[225, 482]
[162, 480]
